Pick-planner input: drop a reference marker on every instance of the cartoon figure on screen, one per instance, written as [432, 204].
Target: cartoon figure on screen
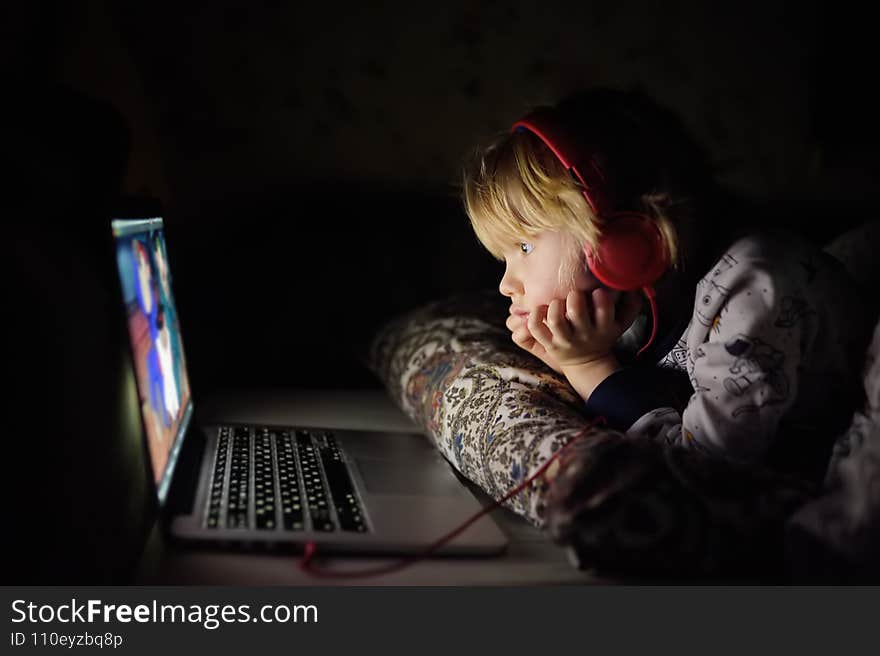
[148, 305]
[160, 260]
[166, 363]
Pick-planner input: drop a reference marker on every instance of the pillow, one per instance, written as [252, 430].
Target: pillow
[494, 411]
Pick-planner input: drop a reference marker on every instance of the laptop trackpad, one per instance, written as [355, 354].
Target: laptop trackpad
[400, 478]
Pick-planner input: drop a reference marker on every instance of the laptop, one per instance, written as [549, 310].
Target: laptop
[259, 485]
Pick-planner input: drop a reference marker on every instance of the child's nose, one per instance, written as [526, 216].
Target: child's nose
[509, 284]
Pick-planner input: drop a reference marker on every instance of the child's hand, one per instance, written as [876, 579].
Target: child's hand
[581, 329]
[523, 338]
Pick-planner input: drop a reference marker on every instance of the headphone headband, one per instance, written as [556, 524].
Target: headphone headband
[581, 159]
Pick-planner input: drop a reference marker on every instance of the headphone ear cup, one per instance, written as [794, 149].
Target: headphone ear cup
[631, 254]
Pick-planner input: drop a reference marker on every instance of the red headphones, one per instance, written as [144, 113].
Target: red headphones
[630, 254]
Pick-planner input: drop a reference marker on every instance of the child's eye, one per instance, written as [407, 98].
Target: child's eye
[525, 247]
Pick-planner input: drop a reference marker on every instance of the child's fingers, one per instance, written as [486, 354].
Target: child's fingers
[557, 322]
[576, 311]
[539, 330]
[523, 338]
[603, 306]
[538, 350]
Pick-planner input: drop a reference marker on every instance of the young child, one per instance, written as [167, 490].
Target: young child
[754, 337]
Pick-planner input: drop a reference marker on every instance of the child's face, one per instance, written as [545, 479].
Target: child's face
[531, 277]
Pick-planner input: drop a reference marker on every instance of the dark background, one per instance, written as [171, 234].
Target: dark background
[306, 157]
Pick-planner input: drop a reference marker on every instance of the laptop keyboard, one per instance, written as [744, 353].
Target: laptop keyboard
[282, 479]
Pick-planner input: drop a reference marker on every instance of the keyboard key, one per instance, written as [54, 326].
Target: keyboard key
[342, 491]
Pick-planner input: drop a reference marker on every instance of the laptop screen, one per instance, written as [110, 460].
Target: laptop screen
[156, 344]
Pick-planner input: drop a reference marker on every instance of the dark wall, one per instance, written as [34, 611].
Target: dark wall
[395, 92]
[307, 154]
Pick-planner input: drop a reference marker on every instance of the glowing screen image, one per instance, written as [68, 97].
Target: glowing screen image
[156, 346]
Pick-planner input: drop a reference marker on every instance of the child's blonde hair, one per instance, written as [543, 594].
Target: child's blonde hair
[515, 187]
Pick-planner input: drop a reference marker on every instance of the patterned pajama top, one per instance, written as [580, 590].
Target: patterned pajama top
[770, 357]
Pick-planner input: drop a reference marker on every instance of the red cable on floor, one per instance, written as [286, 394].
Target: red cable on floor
[306, 563]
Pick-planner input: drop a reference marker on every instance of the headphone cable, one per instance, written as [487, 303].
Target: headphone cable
[307, 565]
[652, 299]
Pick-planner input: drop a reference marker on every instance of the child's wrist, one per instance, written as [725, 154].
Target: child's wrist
[585, 377]
[596, 364]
